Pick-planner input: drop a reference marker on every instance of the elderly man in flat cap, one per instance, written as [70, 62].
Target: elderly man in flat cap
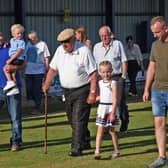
[77, 72]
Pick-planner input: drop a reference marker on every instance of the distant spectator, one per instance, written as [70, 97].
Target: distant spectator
[37, 63]
[135, 63]
[81, 37]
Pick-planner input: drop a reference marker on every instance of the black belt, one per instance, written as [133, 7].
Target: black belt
[105, 103]
[74, 89]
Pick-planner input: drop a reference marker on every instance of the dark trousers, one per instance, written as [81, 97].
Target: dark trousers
[133, 69]
[123, 108]
[34, 89]
[78, 112]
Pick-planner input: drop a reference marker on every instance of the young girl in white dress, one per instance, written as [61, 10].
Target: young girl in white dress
[107, 112]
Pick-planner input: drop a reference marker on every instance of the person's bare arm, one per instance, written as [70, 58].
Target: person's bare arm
[114, 103]
[14, 56]
[93, 85]
[149, 79]
[47, 63]
[124, 69]
[50, 75]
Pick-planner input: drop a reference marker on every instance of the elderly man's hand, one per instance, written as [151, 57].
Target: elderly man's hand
[45, 87]
[91, 98]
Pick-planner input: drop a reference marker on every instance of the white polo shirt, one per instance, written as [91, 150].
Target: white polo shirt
[115, 54]
[73, 68]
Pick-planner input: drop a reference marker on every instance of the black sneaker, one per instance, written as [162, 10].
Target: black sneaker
[86, 146]
[124, 127]
[75, 152]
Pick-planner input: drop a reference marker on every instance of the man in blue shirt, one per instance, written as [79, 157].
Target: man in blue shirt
[14, 101]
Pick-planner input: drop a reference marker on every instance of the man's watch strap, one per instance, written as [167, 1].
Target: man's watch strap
[92, 91]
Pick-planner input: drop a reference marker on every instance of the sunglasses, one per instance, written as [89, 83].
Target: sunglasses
[66, 41]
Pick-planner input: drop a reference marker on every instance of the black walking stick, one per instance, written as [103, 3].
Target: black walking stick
[45, 125]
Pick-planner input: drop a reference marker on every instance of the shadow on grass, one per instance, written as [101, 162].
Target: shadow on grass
[41, 126]
[109, 148]
[56, 123]
[145, 109]
[146, 131]
[34, 118]
[140, 132]
[37, 144]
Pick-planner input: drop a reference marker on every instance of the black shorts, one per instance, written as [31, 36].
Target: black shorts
[17, 62]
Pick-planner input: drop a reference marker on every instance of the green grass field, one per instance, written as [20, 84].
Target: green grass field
[137, 146]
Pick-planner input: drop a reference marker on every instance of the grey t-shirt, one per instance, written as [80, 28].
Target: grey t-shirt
[159, 55]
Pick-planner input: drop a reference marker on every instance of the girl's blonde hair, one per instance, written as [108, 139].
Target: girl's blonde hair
[106, 63]
[81, 29]
[17, 26]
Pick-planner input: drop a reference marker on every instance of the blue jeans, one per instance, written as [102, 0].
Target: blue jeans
[159, 103]
[14, 109]
[34, 89]
[2, 98]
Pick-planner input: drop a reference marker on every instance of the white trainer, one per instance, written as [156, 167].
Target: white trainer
[13, 91]
[9, 85]
[115, 154]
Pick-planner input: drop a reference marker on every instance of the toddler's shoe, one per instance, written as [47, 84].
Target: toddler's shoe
[9, 85]
[13, 91]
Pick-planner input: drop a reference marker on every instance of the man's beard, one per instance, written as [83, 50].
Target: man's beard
[164, 36]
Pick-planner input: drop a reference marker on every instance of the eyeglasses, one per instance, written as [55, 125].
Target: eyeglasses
[66, 41]
[29, 39]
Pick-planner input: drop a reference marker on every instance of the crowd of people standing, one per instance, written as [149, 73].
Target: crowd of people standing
[88, 73]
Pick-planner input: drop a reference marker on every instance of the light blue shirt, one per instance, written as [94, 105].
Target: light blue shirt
[16, 44]
[115, 54]
[35, 57]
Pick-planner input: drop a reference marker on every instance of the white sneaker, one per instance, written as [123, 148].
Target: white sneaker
[13, 91]
[115, 154]
[97, 155]
[9, 85]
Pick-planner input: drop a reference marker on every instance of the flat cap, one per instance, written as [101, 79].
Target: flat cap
[65, 34]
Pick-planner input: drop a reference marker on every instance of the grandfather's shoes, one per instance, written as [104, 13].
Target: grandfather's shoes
[124, 127]
[75, 152]
[86, 146]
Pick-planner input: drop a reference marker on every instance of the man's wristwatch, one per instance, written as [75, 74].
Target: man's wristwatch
[92, 91]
